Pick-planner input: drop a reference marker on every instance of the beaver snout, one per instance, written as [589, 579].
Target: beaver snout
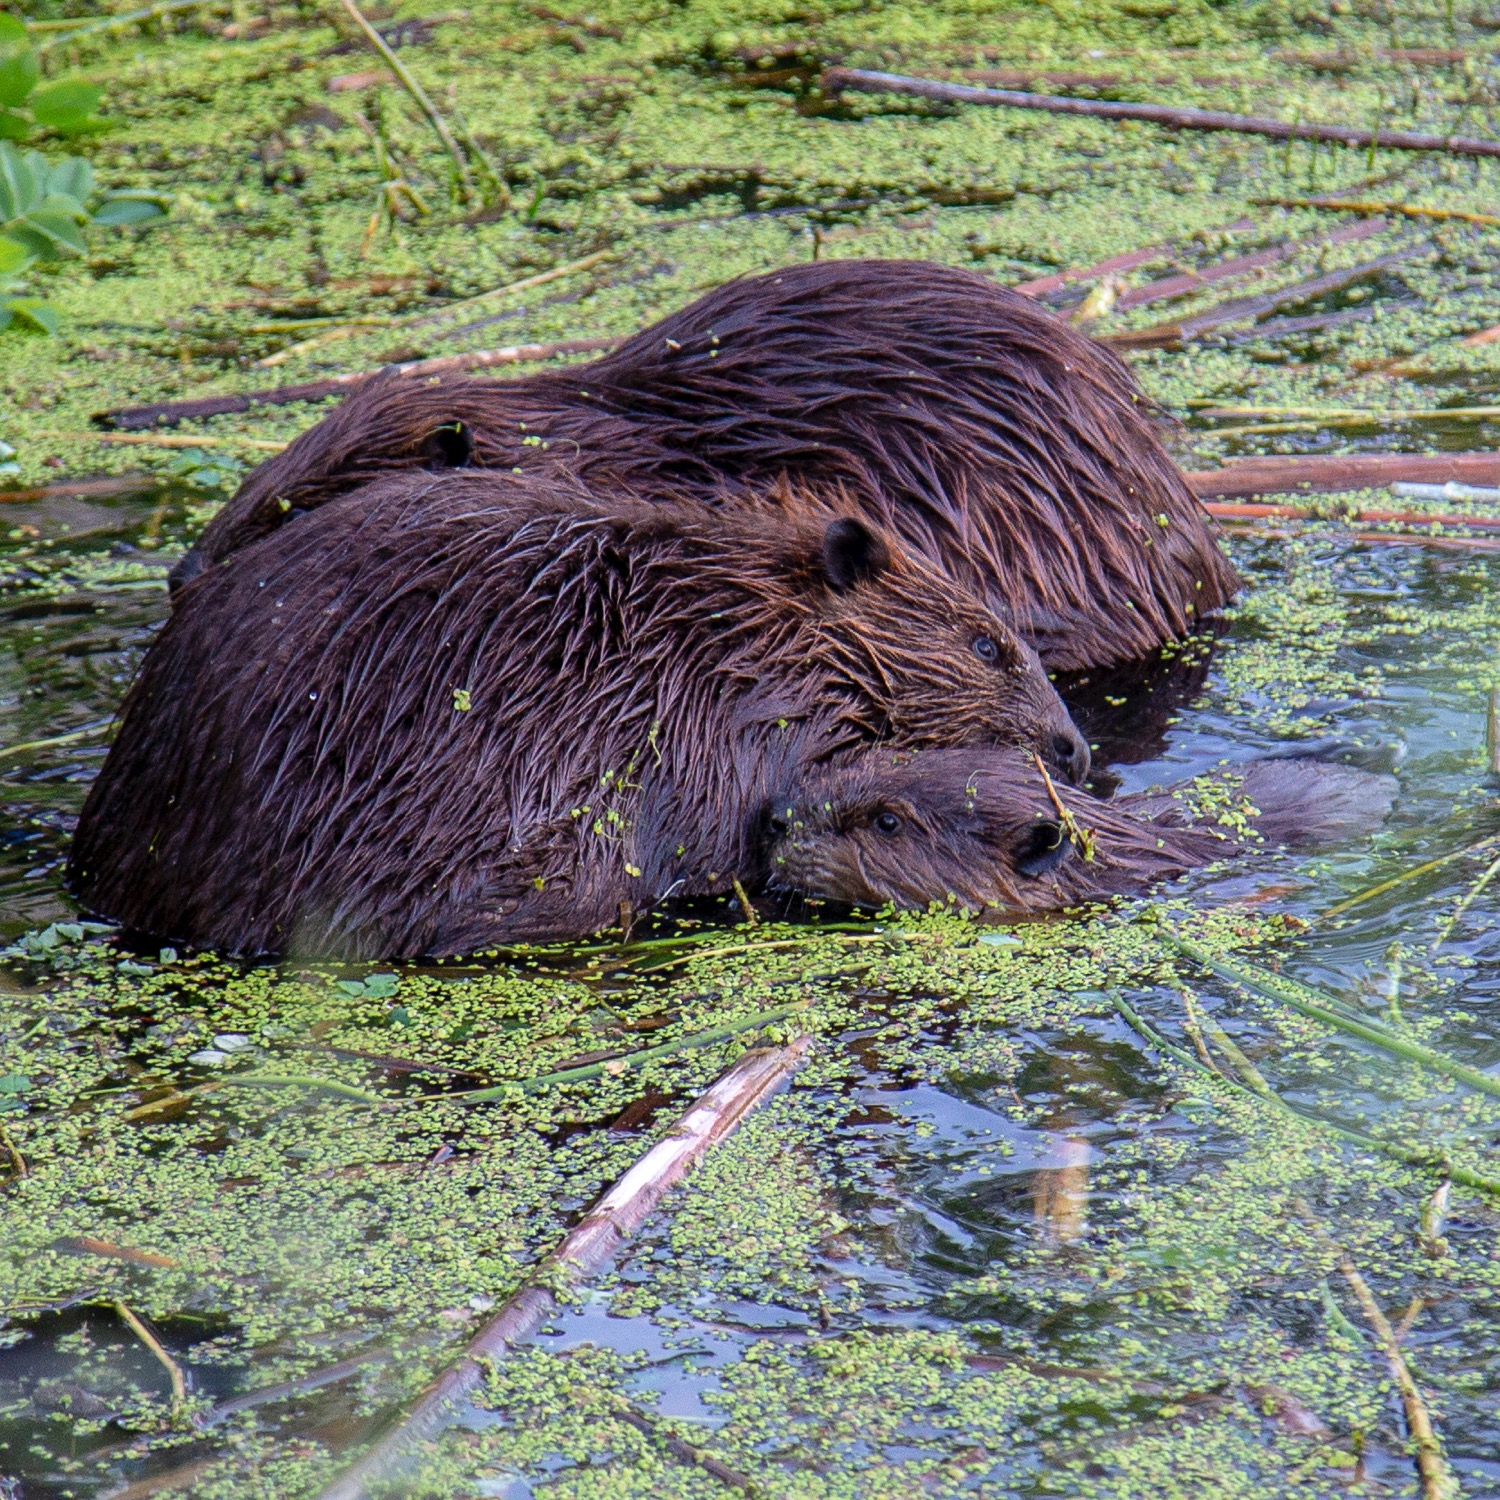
[1069, 754]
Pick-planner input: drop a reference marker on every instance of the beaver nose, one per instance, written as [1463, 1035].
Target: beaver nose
[779, 824]
[1070, 754]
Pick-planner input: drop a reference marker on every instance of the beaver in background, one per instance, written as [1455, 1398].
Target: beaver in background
[973, 425]
[444, 713]
[988, 830]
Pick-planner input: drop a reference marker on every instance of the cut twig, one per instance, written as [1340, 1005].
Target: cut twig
[1171, 117]
[418, 93]
[589, 1246]
[1313, 1003]
[752, 917]
[127, 484]
[1044, 286]
[1438, 1482]
[1398, 210]
[1469, 897]
[130, 18]
[88, 732]
[1432, 1161]
[170, 1365]
[168, 413]
[1360, 897]
[1278, 474]
[85, 1244]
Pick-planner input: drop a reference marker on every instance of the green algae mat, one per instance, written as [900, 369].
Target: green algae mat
[1196, 1195]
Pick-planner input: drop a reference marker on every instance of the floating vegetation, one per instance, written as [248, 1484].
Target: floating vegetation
[1058, 1208]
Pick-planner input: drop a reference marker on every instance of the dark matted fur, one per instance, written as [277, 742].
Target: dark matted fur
[976, 426]
[453, 711]
[979, 829]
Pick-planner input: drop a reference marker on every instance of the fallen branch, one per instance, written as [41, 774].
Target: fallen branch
[1279, 474]
[589, 1246]
[113, 23]
[836, 80]
[1400, 210]
[1438, 1482]
[1044, 286]
[166, 413]
[166, 440]
[129, 484]
[1253, 309]
[1186, 282]
[315, 1381]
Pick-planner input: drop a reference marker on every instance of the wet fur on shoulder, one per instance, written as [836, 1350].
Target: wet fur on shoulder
[453, 711]
[977, 427]
[981, 829]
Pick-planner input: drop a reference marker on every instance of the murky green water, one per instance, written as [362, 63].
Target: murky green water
[993, 1242]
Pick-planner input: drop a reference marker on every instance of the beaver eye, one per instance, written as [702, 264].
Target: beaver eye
[986, 649]
[888, 823]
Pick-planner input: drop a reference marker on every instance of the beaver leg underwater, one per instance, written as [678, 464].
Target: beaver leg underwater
[467, 709]
[984, 830]
[975, 426]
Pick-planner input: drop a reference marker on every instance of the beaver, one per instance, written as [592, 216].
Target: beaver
[972, 424]
[989, 831]
[453, 711]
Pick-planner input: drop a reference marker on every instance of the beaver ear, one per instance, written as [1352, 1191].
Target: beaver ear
[448, 447]
[852, 554]
[1044, 846]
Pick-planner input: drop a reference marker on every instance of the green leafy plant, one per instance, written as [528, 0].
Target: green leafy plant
[44, 207]
[66, 108]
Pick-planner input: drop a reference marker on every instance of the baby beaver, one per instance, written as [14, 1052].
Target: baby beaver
[989, 831]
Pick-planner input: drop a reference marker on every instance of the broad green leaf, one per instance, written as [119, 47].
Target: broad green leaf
[65, 203]
[39, 315]
[13, 31]
[19, 190]
[64, 106]
[48, 233]
[18, 65]
[14, 256]
[126, 209]
[13, 127]
[71, 175]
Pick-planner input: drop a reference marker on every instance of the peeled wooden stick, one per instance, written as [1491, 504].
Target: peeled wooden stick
[1273, 474]
[1438, 1482]
[1230, 510]
[589, 1246]
[835, 80]
[1365, 206]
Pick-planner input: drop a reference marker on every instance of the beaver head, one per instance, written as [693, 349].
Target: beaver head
[983, 830]
[946, 669]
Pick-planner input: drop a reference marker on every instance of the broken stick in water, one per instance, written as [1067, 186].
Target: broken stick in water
[589, 1246]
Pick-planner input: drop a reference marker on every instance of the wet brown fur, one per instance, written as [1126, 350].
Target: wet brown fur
[452, 711]
[980, 829]
[977, 427]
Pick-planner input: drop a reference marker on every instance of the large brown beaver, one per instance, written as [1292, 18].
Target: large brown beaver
[978, 428]
[986, 830]
[453, 711]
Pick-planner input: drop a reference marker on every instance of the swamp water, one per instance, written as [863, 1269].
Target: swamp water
[994, 1240]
